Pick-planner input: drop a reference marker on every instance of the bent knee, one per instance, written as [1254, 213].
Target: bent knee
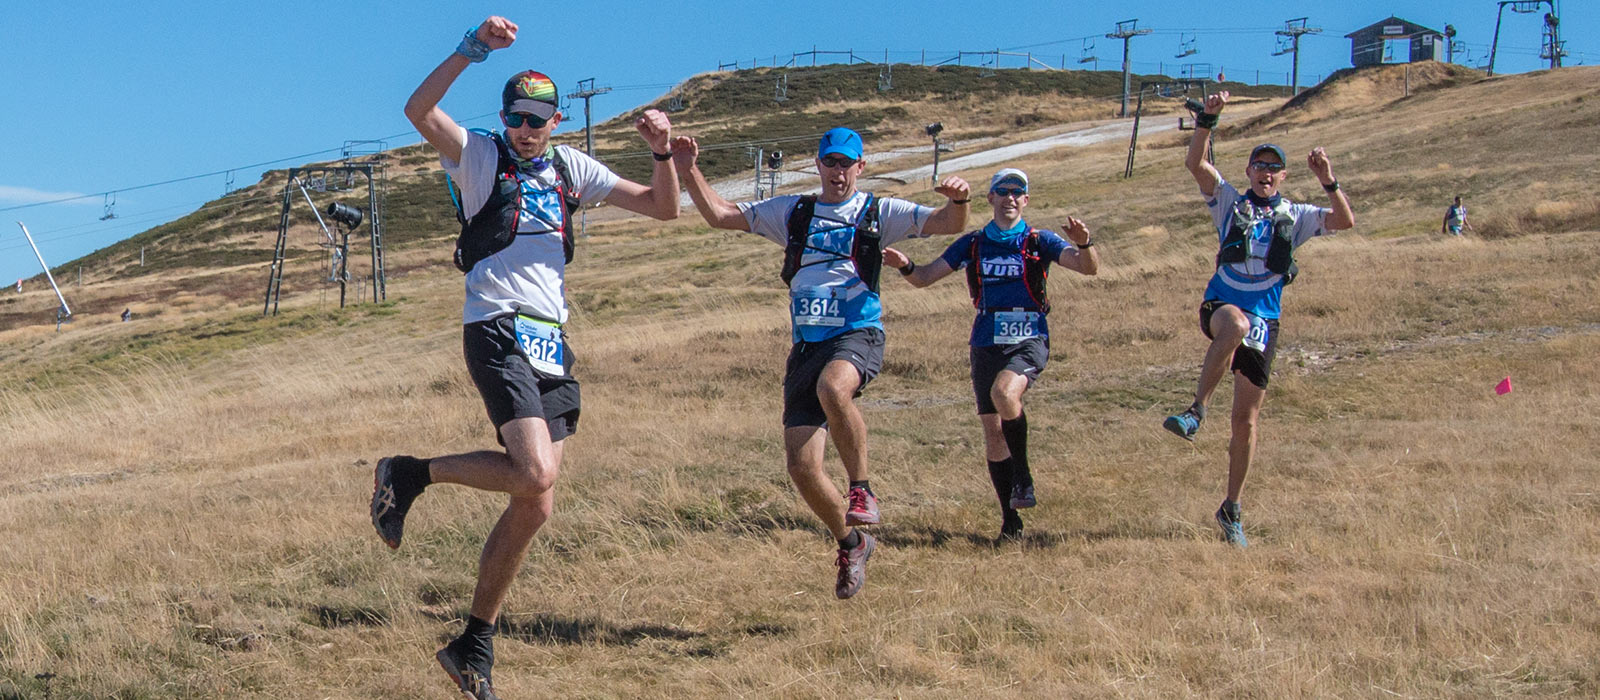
[532, 477]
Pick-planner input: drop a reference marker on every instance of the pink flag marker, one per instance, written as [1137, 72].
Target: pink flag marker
[1504, 387]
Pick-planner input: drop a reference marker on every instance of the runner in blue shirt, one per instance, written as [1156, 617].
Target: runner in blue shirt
[1007, 262]
[1258, 232]
[833, 245]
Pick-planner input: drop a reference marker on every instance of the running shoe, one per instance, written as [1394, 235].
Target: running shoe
[389, 503]
[1022, 497]
[852, 565]
[863, 507]
[471, 678]
[1232, 524]
[1183, 425]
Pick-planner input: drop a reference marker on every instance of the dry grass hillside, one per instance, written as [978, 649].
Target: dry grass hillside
[183, 498]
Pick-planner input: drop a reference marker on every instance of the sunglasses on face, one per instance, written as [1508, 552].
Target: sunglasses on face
[1002, 192]
[833, 161]
[1263, 165]
[516, 119]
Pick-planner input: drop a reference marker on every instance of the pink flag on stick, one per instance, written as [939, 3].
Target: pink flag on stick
[1504, 387]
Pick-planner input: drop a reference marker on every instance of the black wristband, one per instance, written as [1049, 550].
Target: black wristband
[1331, 187]
[1206, 121]
[960, 201]
[1086, 244]
[661, 157]
[909, 268]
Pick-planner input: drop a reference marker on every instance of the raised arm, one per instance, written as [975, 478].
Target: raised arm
[951, 218]
[422, 108]
[1084, 257]
[660, 199]
[1342, 217]
[917, 275]
[718, 212]
[1205, 174]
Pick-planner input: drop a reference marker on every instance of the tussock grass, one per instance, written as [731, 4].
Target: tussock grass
[183, 499]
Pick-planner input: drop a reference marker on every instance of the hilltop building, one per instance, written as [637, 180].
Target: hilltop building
[1395, 40]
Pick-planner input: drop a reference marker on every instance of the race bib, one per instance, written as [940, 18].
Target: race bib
[541, 344]
[816, 306]
[1012, 327]
[1258, 336]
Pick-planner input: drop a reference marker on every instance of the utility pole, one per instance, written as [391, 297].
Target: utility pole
[1293, 29]
[1126, 31]
[586, 91]
[1449, 43]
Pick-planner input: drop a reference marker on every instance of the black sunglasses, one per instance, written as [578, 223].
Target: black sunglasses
[1264, 165]
[834, 161]
[515, 120]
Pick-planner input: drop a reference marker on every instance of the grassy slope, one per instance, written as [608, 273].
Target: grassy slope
[182, 506]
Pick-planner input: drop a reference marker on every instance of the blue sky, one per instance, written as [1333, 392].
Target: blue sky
[107, 96]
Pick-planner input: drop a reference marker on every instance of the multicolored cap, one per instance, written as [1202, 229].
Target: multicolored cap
[842, 141]
[530, 92]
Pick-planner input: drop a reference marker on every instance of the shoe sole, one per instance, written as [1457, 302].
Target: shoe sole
[1172, 426]
[872, 546]
[1019, 504]
[853, 519]
[377, 485]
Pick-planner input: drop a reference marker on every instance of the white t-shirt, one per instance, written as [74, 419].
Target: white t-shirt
[1249, 285]
[528, 275]
[826, 268]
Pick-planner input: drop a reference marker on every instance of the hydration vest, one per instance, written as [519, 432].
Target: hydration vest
[864, 249]
[1035, 269]
[1280, 253]
[494, 227]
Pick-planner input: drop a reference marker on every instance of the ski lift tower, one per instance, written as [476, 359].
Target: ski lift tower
[364, 158]
[1126, 31]
[63, 312]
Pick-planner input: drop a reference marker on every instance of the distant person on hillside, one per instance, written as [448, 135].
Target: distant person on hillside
[127, 315]
[833, 245]
[1007, 262]
[1258, 232]
[518, 198]
[1455, 218]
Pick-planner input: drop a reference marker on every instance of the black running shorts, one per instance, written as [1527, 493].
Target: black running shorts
[1026, 358]
[862, 347]
[511, 387]
[1255, 365]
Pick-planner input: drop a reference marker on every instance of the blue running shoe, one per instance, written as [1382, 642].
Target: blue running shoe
[1183, 425]
[1232, 525]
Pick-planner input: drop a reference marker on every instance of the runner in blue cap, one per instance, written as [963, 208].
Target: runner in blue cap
[1258, 232]
[833, 253]
[1007, 262]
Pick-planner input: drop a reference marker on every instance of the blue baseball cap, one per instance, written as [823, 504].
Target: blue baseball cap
[842, 141]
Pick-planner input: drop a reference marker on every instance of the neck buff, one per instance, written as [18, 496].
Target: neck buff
[993, 232]
[531, 166]
[1263, 202]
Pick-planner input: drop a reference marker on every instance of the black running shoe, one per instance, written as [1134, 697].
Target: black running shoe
[390, 501]
[470, 677]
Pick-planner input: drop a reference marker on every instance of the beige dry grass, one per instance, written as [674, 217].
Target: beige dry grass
[183, 499]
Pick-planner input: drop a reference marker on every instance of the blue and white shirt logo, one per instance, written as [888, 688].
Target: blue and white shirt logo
[541, 208]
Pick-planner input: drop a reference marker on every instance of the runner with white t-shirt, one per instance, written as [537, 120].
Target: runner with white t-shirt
[518, 199]
[1258, 232]
[833, 254]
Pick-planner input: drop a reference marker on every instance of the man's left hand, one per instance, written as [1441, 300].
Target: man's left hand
[1318, 162]
[1077, 232]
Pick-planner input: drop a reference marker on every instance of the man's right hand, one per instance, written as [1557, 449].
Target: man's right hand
[1215, 102]
[894, 258]
[685, 151]
[498, 32]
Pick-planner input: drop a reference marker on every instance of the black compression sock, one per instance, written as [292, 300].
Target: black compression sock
[850, 541]
[1198, 410]
[411, 474]
[477, 642]
[1016, 435]
[864, 485]
[1000, 476]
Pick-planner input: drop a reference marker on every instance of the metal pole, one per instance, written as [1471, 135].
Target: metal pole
[47, 274]
[1496, 43]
